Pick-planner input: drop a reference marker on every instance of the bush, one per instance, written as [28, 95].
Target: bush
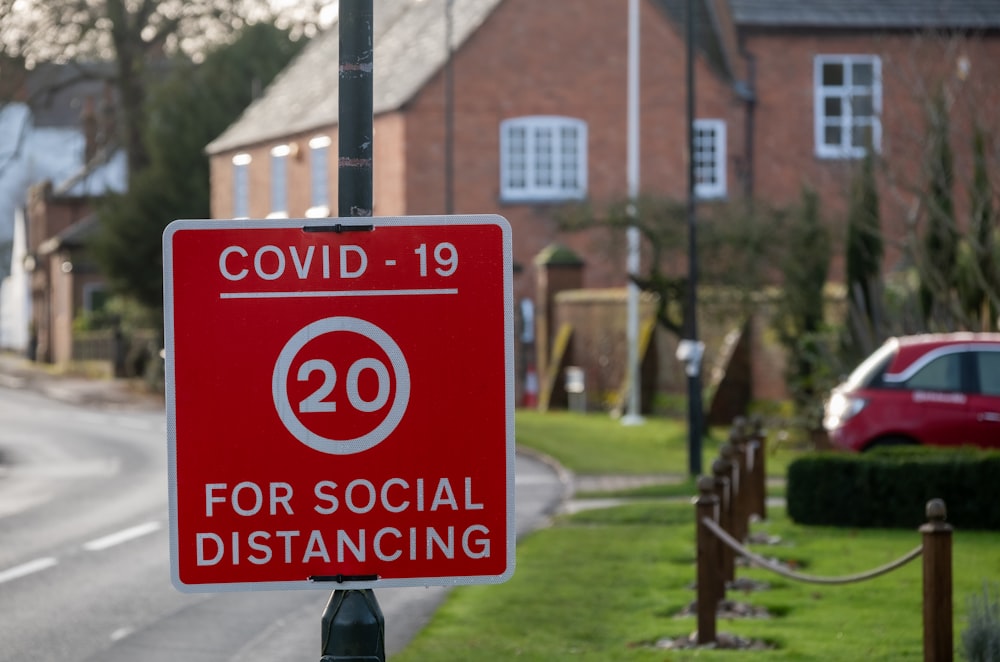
[890, 488]
[981, 640]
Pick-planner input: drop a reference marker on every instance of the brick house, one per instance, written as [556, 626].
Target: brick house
[826, 76]
[788, 94]
[63, 279]
[523, 72]
[57, 158]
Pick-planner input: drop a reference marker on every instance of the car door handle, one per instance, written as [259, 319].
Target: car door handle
[991, 416]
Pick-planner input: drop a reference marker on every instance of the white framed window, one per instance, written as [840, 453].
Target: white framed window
[848, 105]
[241, 185]
[319, 172]
[543, 159]
[279, 181]
[709, 158]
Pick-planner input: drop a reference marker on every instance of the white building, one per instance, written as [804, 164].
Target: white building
[29, 155]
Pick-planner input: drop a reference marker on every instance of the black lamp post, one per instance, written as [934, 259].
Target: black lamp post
[691, 304]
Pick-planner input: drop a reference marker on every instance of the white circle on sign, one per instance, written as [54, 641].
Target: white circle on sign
[279, 389]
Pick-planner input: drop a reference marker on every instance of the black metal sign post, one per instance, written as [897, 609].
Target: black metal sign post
[356, 90]
[353, 624]
[691, 304]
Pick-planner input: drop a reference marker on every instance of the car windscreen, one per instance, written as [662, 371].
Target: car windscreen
[870, 372]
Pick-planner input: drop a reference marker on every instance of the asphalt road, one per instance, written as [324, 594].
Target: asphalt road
[84, 550]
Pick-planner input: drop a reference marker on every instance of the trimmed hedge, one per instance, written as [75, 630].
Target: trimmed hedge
[890, 488]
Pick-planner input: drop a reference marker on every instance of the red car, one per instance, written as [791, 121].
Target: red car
[936, 389]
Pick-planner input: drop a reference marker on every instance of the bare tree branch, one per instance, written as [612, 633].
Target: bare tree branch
[135, 35]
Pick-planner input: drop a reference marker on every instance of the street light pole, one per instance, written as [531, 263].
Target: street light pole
[633, 415]
[691, 304]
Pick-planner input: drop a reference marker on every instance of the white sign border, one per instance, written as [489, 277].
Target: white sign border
[170, 393]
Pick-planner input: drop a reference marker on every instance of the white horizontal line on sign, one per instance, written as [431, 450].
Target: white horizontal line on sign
[336, 293]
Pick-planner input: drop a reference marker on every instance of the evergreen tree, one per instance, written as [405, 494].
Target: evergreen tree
[190, 109]
[127, 42]
[940, 241]
[978, 273]
[864, 255]
[805, 267]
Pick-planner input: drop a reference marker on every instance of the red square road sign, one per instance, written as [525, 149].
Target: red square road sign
[340, 402]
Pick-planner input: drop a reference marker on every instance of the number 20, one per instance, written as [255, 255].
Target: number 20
[315, 402]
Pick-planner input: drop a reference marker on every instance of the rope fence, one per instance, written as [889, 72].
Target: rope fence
[735, 493]
[762, 562]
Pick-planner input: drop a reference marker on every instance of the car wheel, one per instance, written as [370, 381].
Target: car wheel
[889, 442]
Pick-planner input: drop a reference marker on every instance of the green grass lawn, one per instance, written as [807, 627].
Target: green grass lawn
[598, 444]
[609, 584]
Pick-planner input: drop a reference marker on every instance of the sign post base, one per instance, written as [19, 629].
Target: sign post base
[353, 627]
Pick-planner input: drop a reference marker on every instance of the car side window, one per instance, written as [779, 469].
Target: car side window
[942, 374]
[988, 366]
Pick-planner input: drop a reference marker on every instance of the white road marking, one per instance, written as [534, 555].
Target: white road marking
[46, 562]
[121, 536]
[121, 633]
[28, 568]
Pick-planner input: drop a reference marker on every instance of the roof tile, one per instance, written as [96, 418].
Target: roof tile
[409, 38]
[867, 14]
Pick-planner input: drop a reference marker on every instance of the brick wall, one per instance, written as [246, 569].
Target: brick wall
[572, 65]
[912, 67]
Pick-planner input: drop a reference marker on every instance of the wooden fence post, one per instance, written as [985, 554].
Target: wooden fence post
[758, 443]
[709, 580]
[728, 454]
[741, 505]
[722, 470]
[938, 635]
